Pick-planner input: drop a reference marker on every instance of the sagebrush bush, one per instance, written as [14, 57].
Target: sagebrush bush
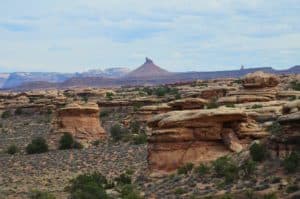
[117, 132]
[37, 145]
[225, 167]
[258, 152]
[6, 114]
[18, 111]
[141, 138]
[185, 169]
[12, 149]
[66, 141]
[275, 128]
[88, 186]
[248, 168]
[123, 179]
[37, 194]
[128, 191]
[202, 169]
[256, 106]
[291, 162]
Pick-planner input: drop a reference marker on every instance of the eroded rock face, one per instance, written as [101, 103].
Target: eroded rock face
[188, 103]
[82, 121]
[180, 137]
[260, 79]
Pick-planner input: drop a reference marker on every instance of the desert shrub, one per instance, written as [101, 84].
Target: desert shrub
[238, 81]
[185, 169]
[135, 126]
[224, 167]
[258, 152]
[202, 169]
[255, 106]
[128, 191]
[117, 132]
[230, 105]
[291, 162]
[37, 194]
[270, 196]
[178, 96]
[275, 128]
[37, 145]
[148, 90]
[77, 145]
[96, 143]
[226, 196]
[292, 98]
[292, 188]
[6, 114]
[85, 98]
[295, 85]
[212, 104]
[66, 141]
[12, 149]
[179, 191]
[141, 138]
[123, 179]
[248, 168]
[104, 113]
[18, 111]
[109, 95]
[88, 186]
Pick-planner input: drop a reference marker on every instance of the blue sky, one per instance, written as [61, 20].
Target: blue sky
[179, 35]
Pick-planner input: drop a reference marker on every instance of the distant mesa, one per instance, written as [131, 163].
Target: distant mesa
[148, 69]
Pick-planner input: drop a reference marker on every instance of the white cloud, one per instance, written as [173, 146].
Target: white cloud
[70, 35]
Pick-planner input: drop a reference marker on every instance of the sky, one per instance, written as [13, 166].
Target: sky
[179, 35]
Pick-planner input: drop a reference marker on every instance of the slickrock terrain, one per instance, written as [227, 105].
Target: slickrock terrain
[219, 138]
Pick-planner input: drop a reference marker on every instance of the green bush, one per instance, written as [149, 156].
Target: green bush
[292, 188]
[255, 106]
[37, 194]
[123, 179]
[230, 105]
[128, 191]
[270, 196]
[224, 167]
[291, 162]
[66, 141]
[258, 152]
[295, 85]
[18, 111]
[96, 143]
[179, 191]
[275, 128]
[185, 169]
[104, 113]
[88, 186]
[135, 126]
[109, 95]
[212, 104]
[117, 132]
[202, 169]
[37, 145]
[248, 168]
[12, 149]
[141, 138]
[6, 114]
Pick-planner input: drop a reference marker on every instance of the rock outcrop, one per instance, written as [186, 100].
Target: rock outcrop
[188, 103]
[82, 121]
[260, 79]
[179, 137]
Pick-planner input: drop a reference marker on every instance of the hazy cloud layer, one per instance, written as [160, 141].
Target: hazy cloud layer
[75, 35]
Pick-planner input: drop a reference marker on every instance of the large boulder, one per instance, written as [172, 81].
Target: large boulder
[82, 121]
[260, 79]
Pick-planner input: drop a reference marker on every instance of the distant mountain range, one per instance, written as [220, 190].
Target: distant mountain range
[148, 73]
